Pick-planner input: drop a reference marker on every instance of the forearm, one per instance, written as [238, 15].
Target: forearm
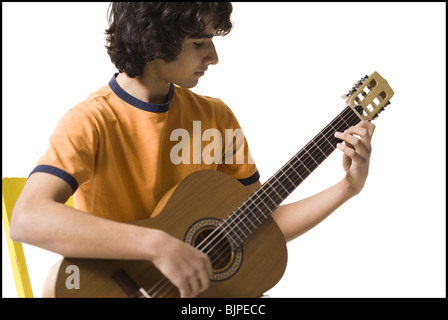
[294, 219]
[70, 232]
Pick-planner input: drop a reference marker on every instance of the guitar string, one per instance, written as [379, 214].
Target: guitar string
[330, 126]
[271, 194]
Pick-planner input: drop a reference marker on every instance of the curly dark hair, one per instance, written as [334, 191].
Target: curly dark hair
[139, 32]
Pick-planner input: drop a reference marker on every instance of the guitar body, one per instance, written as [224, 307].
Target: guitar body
[192, 211]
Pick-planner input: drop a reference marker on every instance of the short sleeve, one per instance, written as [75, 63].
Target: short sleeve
[237, 160]
[72, 150]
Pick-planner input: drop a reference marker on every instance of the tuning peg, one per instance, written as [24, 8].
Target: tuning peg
[383, 107]
[381, 110]
[349, 94]
[361, 81]
[356, 87]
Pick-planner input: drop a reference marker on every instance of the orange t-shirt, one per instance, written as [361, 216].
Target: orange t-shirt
[120, 155]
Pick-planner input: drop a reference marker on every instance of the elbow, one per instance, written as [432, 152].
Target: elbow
[19, 227]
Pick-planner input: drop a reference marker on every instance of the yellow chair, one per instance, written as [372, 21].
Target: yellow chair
[11, 189]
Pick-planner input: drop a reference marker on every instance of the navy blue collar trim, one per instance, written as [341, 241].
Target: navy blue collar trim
[151, 107]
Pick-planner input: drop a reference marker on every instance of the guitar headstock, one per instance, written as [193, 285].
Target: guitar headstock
[369, 96]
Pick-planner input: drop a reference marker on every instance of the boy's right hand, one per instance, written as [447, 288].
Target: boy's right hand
[186, 267]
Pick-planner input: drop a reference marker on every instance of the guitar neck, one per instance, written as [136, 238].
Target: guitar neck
[260, 205]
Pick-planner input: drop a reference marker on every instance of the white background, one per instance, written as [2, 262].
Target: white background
[282, 70]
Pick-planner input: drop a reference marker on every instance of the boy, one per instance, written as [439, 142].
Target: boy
[114, 151]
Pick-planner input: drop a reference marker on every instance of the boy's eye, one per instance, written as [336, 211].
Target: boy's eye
[199, 44]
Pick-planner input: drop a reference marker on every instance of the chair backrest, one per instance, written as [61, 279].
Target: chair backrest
[11, 189]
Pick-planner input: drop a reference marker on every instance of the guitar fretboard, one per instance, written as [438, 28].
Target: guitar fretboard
[251, 213]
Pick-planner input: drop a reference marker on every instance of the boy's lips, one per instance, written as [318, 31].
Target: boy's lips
[200, 73]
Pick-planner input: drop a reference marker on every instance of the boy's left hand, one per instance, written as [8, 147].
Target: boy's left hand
[357, 149]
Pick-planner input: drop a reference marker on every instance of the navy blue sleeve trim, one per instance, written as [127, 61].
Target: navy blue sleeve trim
[59, 173]
[252, 179]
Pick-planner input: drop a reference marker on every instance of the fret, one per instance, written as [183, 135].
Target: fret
[294, 179]
[253, 225]
[238, 226]
[290, 181]
[245, 224]
[277, 193]
[329, 143]
[246, 213]
[312, 157]
[261, 199]
[250, 220]
[256, 217]
[345, 122]
[297, 173]
[318, 155]
[305, 166]
[233, 236]
[267, 195]
[252, 211]
[281, 185]
[337, 128]
[319, 148]
[234, 225]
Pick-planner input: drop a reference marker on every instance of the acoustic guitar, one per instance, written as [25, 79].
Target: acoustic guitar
[219, 216]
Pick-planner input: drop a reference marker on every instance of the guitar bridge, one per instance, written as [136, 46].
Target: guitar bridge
[129, 287]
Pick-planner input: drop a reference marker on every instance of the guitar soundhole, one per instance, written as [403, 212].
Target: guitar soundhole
[224, 257]
[216, 246]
